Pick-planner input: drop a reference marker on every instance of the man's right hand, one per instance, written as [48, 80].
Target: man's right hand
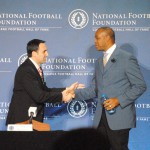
[67, 95]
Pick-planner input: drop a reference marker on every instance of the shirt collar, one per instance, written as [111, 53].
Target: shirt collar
[35, 64]
[111, 49]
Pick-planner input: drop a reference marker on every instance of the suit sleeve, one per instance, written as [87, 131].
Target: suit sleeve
[36, 90]
[53, 89]
[137, 83]
[87, 93]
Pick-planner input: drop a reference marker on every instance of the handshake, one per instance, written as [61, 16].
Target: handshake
[69, 93]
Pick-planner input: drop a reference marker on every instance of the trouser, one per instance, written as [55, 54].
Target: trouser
[116, 139]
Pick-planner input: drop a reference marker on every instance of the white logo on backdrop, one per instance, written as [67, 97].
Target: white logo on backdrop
[22, 58]
[77, 109]
[78, 19]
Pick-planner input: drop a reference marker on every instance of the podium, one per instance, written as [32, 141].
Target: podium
[27, 126]
[38, 126]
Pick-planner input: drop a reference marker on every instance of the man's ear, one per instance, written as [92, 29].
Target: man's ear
[108, 38]
[34, 53]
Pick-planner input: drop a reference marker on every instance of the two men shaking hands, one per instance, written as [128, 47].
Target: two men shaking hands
[69, 93]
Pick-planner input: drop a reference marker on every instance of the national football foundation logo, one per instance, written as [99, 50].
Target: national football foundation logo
[22, 58]
[78, 19]
[77, 109]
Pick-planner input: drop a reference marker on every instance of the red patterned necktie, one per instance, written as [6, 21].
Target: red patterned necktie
[41, 73]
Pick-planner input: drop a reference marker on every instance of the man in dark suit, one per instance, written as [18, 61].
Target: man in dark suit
[118, 76]
[30, 88]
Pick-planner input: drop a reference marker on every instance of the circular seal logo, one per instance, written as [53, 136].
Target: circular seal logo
[78, 19]
[10, 128]
[22, 58]
[77, 108]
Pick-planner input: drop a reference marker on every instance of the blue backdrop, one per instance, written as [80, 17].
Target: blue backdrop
[68, 27]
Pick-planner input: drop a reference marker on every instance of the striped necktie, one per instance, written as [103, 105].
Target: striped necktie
[41, 73]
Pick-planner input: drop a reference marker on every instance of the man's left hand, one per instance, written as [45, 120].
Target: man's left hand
[111, 103]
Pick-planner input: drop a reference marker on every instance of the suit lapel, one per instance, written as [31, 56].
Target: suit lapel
[35, 70]
[100, 65]
[113, 58]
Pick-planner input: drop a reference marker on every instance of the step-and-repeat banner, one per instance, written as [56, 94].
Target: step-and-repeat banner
[68, 27]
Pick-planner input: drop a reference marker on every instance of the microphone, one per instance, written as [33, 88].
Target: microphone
[32, 112]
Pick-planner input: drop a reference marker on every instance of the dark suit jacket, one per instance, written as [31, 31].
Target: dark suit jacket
[29, 90]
